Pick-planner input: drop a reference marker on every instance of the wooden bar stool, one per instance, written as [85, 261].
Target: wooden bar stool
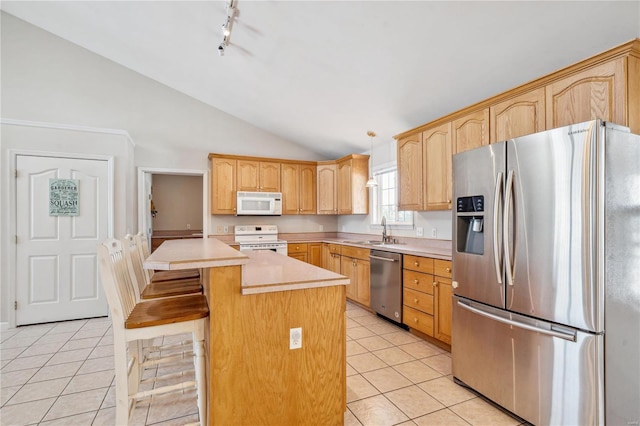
[137, 321]
[158, 276]
[155, 290]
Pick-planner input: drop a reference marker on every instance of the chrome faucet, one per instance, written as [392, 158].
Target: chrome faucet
[383, 223]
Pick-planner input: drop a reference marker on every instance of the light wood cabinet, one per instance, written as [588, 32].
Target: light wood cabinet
[427, 296]
[262, 176]
[518, 116]
[598, 92]
[315, 254]
[437, 162]
[298, 251]
[443, 299]
[327, 188]
[223, 185]
[354, 263]
[331, 257]
[410, 170]
[471, 131]
[352, 176]
[298, 188]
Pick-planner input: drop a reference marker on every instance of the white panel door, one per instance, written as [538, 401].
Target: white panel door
[57, 267]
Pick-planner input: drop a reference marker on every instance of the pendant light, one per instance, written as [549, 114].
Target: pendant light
[371, 183]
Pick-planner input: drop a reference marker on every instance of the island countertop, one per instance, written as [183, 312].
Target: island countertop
[268, 272]
[194, 253]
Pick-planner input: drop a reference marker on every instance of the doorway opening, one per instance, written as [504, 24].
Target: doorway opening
[172, 204]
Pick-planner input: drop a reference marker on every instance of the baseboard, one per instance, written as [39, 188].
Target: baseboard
[4, 326]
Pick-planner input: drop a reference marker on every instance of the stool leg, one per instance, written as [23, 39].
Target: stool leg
[122, 380]
[199, 360]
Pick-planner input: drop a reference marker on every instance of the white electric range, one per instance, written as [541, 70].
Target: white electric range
[259, 237]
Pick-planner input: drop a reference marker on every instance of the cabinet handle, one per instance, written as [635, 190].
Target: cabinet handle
[415, 281]
[448, 269]
[435, 284]
[417, 263]
[415, 300]
[415, 320]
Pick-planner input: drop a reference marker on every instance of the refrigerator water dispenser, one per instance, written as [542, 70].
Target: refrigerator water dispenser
[470, 223]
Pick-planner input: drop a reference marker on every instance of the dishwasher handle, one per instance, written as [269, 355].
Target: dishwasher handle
[382, 258]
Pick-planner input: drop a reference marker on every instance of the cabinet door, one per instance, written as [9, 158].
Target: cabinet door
[598, 92]
[315, 254]
[444, 293]
[269, 177]
[363, 278]
[519, 116]
[327, 189]
[290, 188]
[223, 186]
[437, 167]
[248, 175]
[348, 269]
[300, 256]
[344, 187]
[307, 186]
[410, 175]
[471, 131]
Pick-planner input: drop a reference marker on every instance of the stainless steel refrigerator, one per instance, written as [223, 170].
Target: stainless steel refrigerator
[546, 274]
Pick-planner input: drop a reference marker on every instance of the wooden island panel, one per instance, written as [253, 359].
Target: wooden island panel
[255, 379]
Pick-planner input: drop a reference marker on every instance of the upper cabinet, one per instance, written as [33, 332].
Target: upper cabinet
[606, 87]
[471, 131]
[598, 92]
[223, 185]
[298, 188]
[424, 165]
[327, 187]
[353, 194]
[437, 167]
[410, 166]
[518, 116]
[262, 176]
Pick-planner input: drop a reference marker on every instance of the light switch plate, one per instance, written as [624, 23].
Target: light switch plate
[419, 231]
[295, 338]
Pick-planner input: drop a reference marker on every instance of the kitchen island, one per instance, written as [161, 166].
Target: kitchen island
[255, 300]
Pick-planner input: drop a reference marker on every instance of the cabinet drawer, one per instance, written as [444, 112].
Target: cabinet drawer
[417, 281]
[334, 248]
[297, 248]
[417, 263]
[442, 268]
[356, 252]
[418, 320]
[418, 300]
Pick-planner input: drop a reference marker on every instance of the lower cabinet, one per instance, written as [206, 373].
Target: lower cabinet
[314, 254]
[427, 296]
[298, 251]
[331, 257]
[354, 263]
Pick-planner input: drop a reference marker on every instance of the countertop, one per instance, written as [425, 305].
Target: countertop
[263, 271]
[194, 253]
[268, 271]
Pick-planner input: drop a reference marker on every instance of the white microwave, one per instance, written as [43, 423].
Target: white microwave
[259, 204]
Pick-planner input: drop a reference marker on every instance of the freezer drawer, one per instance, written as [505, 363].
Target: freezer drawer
[544, 373]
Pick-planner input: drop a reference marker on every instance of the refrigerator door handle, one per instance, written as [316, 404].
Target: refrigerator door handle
[508, 192]
[497, 196]
[555, 333]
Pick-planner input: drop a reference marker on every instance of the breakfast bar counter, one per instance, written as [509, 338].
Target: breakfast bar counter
[257, 300]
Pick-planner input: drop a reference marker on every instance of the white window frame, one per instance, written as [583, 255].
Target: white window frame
[376, 215]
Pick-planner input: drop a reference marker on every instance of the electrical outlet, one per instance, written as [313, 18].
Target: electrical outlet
[295, 338]
[434, 233]
[220, 229]
[321, 228]
[419, 231]
[188, 226]
[226, 229]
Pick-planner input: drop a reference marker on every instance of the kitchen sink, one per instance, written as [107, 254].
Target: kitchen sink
[371, 242]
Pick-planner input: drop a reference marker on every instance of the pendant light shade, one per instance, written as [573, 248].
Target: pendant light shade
[371, 183]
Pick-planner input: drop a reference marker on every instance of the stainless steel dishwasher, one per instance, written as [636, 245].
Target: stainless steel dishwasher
[386, 284]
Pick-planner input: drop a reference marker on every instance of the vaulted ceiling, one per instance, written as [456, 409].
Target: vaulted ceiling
[322, 73]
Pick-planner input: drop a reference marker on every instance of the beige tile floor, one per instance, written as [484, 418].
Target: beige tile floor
[62, 374]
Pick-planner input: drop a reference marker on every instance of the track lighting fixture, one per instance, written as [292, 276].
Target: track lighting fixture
[226, 27]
